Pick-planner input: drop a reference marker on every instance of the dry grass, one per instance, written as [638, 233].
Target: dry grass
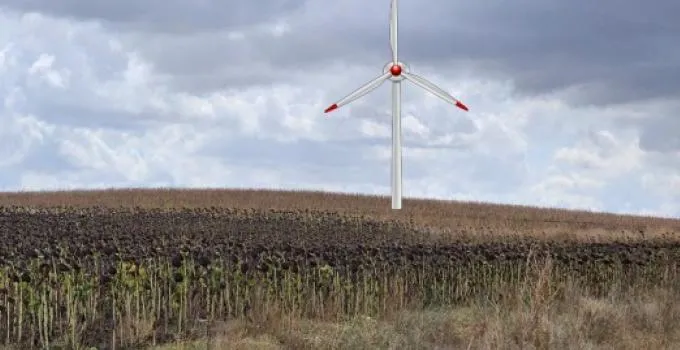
[533, 319]
[482, 220]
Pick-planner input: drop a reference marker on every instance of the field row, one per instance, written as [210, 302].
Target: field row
[445, 217]
[60, 235]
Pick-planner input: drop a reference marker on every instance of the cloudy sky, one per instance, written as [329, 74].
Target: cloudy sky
[572, 104]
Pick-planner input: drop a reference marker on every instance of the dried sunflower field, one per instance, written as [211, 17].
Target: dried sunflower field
[142, 268]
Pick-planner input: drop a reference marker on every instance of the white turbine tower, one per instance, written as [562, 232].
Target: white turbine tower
[396, 71]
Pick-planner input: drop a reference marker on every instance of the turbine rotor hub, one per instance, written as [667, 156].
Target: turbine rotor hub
[395, 70]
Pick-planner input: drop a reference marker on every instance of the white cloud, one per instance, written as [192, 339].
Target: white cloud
[602, 152]
[86, 105]
[18, 134]
[374, 129]
[666, 185]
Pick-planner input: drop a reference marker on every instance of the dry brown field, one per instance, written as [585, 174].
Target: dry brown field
[451, 218]
[130, 269]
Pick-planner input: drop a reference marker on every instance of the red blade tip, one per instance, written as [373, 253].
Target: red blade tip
[331, 108]
[461, 106]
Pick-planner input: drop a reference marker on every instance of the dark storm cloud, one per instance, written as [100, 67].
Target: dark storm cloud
[177, 16]
[619, 51]
[606, 52]
[592, 52]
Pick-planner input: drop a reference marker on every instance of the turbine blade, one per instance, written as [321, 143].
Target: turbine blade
[434, 89]
[363, 90]
[393, 30]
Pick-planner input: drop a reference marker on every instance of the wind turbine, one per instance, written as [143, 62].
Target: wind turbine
[396, 71]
